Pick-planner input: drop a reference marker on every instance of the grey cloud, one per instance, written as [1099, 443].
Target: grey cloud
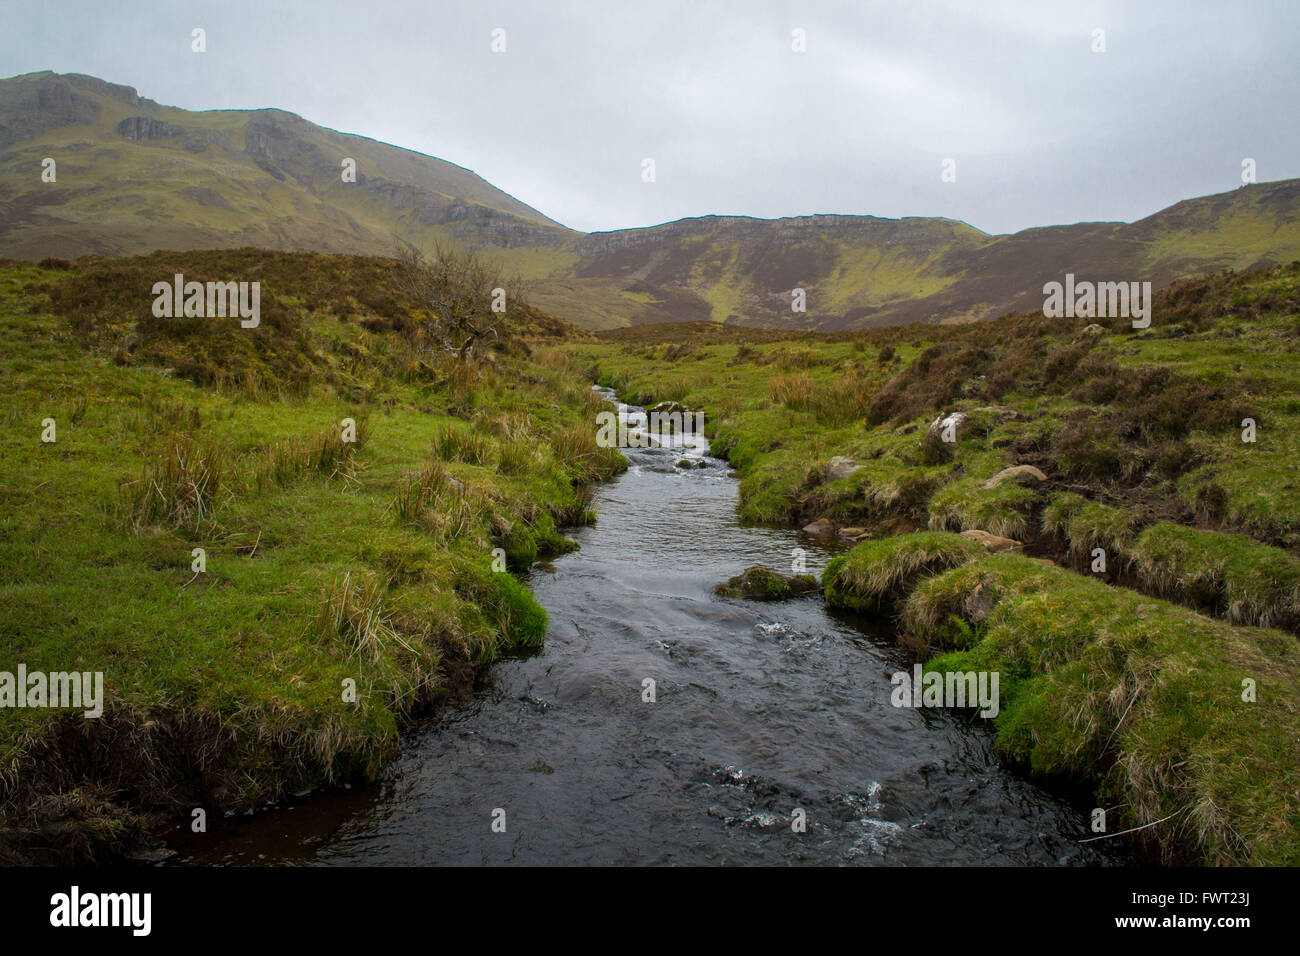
[1042, 129]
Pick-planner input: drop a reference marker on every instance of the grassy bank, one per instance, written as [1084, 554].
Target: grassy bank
[344, 585]
[1182, 725]
[1148, 479]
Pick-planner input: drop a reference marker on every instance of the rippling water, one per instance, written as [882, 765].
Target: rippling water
[761, 709]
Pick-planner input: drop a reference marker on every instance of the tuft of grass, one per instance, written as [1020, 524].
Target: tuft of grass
[965, 504]
[1231, 574]
[354, 610]
[517, 457]
[467, 445]
[182, 484]
[1086, 525]
[575, 449]
[418, 490]
[792, 391]
[326, 453]
[875, 574]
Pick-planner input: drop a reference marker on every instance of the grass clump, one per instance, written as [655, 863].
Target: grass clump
[875, 574]
[354, 611]
[330, 452]
[466, 444]
[1230, 574]
[576, 450]
[1087, 525]
[182, 484]
[966, 504]
[505, 604]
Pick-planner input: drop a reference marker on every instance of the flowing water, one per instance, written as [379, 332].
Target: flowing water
[760, 710]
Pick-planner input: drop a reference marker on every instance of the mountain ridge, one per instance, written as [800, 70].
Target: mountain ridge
[135, 176]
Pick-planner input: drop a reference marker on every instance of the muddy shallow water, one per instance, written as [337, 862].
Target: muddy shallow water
[760, 709]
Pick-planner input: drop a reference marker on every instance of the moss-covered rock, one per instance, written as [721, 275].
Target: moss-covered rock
[763, 584]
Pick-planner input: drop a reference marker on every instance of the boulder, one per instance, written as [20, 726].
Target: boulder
[978, 604]
[951, 424]
[856, 534]
[1093, 329]
[840, 468]
[667, 408]
[992, 542]
[822, 526]
[1021, 474]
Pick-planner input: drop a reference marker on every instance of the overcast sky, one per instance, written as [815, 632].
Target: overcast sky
[1042, 129]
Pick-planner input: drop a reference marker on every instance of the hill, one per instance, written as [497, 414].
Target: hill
[134, 176]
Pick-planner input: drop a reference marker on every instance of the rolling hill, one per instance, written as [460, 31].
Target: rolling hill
[134, 176]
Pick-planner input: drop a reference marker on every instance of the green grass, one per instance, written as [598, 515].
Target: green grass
[1087, 525]
[1234, 575]
[877, 573]
[965, 504]
[1139, 698]
[329, 563]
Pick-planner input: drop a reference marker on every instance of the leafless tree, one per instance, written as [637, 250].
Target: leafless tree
[463, 297]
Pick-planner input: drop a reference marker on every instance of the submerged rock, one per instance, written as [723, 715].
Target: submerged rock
[763, 584]
[821, 526]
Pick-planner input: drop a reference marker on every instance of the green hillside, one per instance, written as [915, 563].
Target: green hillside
[134, 176]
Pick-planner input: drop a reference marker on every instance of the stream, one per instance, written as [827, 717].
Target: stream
[760, 709]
